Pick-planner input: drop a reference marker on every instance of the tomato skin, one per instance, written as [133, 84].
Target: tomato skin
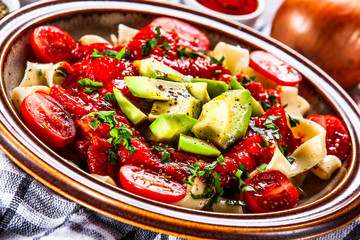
[273, 192]
[274, 68]
[192, 37]
[337, 138]
[48, 120]
[51, 44]
[150, 184]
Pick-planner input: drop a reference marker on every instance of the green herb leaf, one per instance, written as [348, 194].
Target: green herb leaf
[46, 127]
[293, 121]
[111, 54]
[62, 72]
[90, 86]
[262, 167]
[165, 158]
[235, 203]
[248, 189]
[109, 97]
[207, 194]
[187, 54]
[221, 160]
[106, 117]
[40, 73]
[215, 61]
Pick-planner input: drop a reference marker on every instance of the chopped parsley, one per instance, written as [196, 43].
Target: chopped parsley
[262, 167]
[195, 171]
[152, 44]
[90, 86]
[293, 121]
[283, 150]
[239, 174]
[111, 54]
[271, 132]
[40, 73]
[245, 80]
[207, 194]
[273, 99]
[188, 54]
[46, 127]
[215, 61]
[235, 203]
[165, 155]
[119, 135]
[62, 72]
[109, 97]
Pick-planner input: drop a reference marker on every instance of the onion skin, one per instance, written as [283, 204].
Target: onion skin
[325, 31]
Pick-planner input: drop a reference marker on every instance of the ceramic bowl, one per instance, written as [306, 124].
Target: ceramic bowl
[248, 19]
[334, 204]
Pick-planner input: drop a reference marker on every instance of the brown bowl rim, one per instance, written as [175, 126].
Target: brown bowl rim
[31, 159]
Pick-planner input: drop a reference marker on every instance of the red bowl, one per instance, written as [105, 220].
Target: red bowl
[335, 205]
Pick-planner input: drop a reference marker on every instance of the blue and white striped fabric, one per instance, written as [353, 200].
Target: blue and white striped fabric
[29, 210]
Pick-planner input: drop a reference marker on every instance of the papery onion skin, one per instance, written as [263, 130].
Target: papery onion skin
[325, 31]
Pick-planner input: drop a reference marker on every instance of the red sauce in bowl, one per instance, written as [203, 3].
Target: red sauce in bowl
[232, 7]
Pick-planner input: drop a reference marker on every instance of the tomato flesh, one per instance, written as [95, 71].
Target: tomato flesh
[150, 184]
[274, 68]
[273, 192]
[337, 138]
[51, 44]
[48, 120]
[191, 37]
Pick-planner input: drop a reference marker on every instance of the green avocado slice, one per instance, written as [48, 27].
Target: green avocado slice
[155, 89]
[225, 119]
[214, 87]
[257, 109]
[154, 69]
[167, 128]
[197, 146]
[134, 114]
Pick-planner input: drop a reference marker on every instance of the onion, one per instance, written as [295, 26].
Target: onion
[325, 31]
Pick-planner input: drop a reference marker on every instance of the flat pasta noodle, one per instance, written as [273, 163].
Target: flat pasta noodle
[35, 74]
[197, 188]
[326, 167]
[295, 105]
[125, 34]
[106, 179]
[223, 206]
[53, 75]
[236, 57]
[20, 93]
[313, 147]
[91, 39]
[279, 162]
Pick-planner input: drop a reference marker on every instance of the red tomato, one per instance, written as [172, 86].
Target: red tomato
[48, 120]
[198, 41]
[273, 192]
[337, 138]
[150, 184]
[274, 68]
[51, 44]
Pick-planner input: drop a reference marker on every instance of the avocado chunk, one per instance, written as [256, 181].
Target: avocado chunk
[214, 87]
[154, 69]
[167, 128]
[156, 89]
[199, 91]
[134, 114]
[256, 107]
[188, 106]
[197, 146]
[225, 119]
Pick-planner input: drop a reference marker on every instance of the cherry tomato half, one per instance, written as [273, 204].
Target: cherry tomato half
[48, 120]
[273, 192]
[274, 68]
[198, 40]
[150, 184]
[337, 138]
[51, 44]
